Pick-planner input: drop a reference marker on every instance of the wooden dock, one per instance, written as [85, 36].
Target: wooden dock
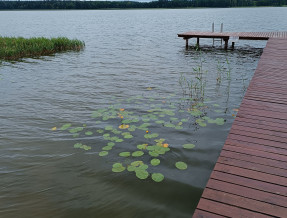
[226, 36]
[250, 176]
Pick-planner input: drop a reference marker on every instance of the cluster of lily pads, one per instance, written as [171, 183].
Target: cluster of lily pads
[119, 126]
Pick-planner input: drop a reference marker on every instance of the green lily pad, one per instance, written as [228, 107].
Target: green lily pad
[216, 105]
[125, 154]
[77, 129]
[131, 168]
[88, 133]
[137, 163]
[115, 131]
[76, 135]
[66, 126]
[160, 121]
[155, 162]
[150, 136]
[146, 120]
[132, 128]
[169, 125]
[184, 120]
[142, 146]
[119, 140]
[109, 128]
[153, 153]
[178, 127]
[100, 131]
[78, 145]
[173, 119]
[137, 153]
[142, 174]
[181, 165]
[103, 153]
[196, 112]
[111, 144]
[219, 121]
[188, 146]
[128, 136]
[118, 167]
[107, 148]
[85, 147]
[157, 177]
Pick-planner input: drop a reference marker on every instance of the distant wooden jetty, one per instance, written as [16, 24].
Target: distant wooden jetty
[231, 36]
[250, 176]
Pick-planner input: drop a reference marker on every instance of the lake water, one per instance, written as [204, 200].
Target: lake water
[133, 70]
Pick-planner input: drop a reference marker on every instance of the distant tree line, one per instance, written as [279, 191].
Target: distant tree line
[52, 4]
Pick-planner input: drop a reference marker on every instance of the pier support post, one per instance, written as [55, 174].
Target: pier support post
[197, 42]
[225, 44]
[186, 43]
[232, 46]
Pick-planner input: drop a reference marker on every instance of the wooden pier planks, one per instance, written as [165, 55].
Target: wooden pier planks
[241, 35]
[250, 176]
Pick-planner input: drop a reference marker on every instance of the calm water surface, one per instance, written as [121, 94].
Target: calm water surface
[132, 60]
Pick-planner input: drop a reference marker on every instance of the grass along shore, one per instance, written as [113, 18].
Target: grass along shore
[14, 48]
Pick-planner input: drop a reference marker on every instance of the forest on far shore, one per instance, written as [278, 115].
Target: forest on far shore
[46, 5]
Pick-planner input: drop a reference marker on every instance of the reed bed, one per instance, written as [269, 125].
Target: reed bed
[13, 48]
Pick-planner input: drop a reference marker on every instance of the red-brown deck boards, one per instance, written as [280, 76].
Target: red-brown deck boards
[250, 176]
[241, 35]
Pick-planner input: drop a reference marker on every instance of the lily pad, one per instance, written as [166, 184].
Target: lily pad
[142, 146]
[107, 148]
[160, 121]
[100, 131]
[219, 121]
[150, 136]
[66, 126]
[181, 165]
[137, 153]
[77, 129]
[188, 146]
[157, 177]
[128, 136]
[142, 174]
[103, 153]
[111, 144]
[118, 167]
[109, 128]
[155, 162]
[86, 147]
[78, 145]
[125, 154]
[88, 133]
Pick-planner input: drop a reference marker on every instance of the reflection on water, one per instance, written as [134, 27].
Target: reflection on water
[132, 60]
